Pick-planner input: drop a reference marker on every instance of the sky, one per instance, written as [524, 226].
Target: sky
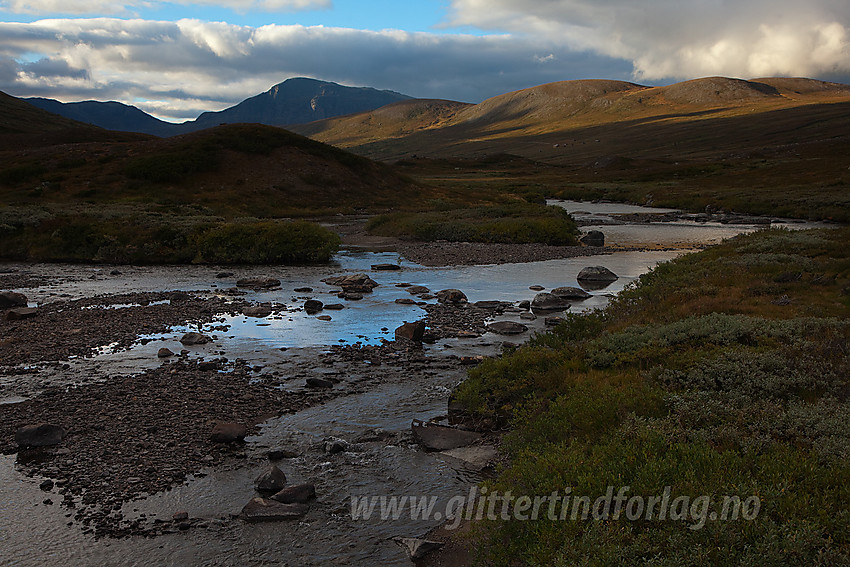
[180, 58]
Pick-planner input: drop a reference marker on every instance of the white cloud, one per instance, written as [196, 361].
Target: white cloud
[123, 7]
[176, 68]
[683, 39]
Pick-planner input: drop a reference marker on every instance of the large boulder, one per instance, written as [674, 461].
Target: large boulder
[451, 296]
[265, 510]
[258, 283]
[545, 301]
[39, 435]
[507, 328]
[593, 238]
[10, 299]
[356, 283]
[596, 274]
[270, 482]
[411, 331]
[227, 432]
[569, 292]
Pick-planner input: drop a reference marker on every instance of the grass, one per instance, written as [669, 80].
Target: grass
[516, 222]
[719, 374]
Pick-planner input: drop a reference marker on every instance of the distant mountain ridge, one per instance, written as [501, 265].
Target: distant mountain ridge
[294, 101]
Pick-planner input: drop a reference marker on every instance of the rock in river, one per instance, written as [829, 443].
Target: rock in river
[596, 274]
[312, 306]
[265, 510]
[261, 310]
[507, 328]
[195, 339]
[411, 331]
[593, 238]
[451, 296]
[39, 435]
[433, 437]
[385, 267]
[296, 494]
[258, 283]
[164, 352]
[357, 283]
[270, 482]
[568, 292]
[545, 301]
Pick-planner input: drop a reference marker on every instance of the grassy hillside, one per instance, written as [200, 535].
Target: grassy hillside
[721, 375]
[79, 193]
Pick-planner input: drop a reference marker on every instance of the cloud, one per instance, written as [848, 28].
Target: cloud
[175, 69]
[675, 39]
[123, 7]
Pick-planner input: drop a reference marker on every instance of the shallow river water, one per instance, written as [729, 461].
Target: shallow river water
[36, 534]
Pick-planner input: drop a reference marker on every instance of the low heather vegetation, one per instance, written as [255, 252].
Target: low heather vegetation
[723, 373]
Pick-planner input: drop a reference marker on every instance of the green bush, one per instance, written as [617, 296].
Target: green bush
[266, 243]
[518, 223]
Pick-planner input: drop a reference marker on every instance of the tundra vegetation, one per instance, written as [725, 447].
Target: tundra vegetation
[725, 372]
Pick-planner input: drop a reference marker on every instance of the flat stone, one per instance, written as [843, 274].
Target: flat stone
[417, 289]
[295, 494]
[334, 306]
[536, 287]
[433, 437]
[258, 283]
[385, 267]
[39, 435]
[195, 339]
[507, 328]
[324, 317]
[20, 313]
[266, 510]
[405, 301]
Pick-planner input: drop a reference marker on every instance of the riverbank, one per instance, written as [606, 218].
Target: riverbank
[721, 374]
